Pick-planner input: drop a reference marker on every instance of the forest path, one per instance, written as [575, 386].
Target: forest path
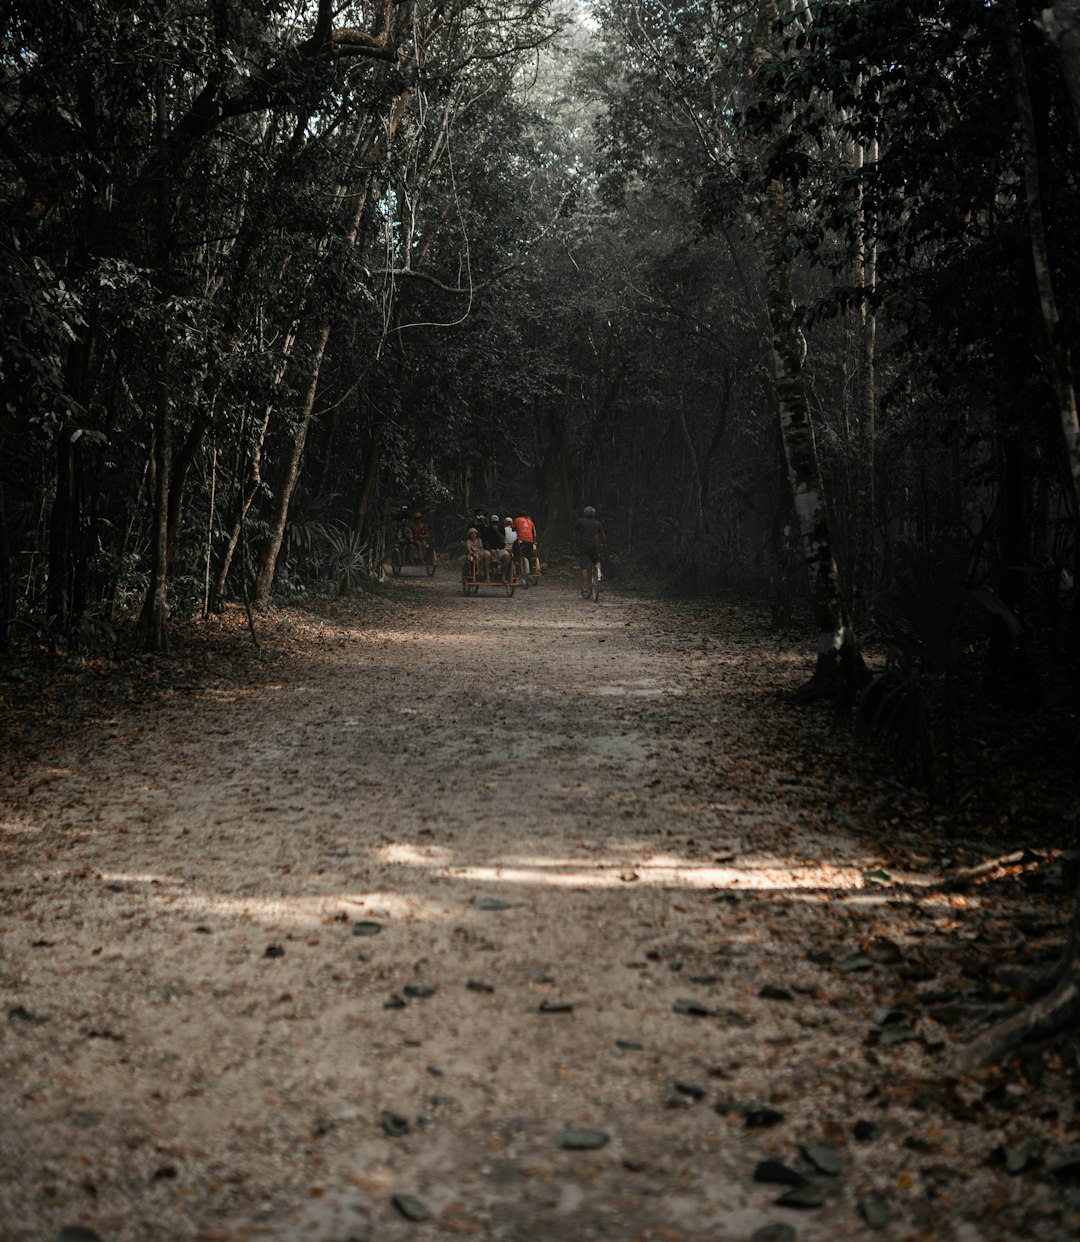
[436, 891]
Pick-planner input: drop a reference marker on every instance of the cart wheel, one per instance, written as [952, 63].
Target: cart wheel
[430, 567]
[464, 585]
[395, 561]
[510, 588]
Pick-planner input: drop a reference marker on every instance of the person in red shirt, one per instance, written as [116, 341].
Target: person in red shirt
[527, 542]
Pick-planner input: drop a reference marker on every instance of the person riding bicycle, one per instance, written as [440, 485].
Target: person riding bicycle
[420, 534]
[402, 529]
[527, 545]
[588, 537]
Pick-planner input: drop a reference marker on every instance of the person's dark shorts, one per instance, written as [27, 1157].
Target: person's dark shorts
[590, 552]
[526, 548]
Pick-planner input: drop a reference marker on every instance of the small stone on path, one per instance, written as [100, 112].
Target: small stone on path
[411, 1208]
[771, 992]
[366, 928]
[805, 1196]
[875, 1211]
[759, 1118]
[778, 1174]
[774, 1233]
[690, 1009]
[577, 1138]
[492, 903]
[824, 1158]
[689, 1089]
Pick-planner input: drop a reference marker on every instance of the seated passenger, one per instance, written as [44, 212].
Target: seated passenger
[475, 555]
[495, 544]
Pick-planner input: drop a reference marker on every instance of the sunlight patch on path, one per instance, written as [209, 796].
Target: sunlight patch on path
[762, 873]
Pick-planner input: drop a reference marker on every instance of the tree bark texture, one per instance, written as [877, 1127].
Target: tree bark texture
[1060, 353]
[1060, 22]
[834, 637]
[1059, 1010]
[155, 612]
[271, 549]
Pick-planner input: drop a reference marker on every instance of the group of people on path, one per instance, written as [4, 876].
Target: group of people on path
[491, 542]
[491, 545]
[411, 528]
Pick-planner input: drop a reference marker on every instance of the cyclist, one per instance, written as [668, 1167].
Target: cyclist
[527, 542]
[402, 531]
[420, 535]
[588, 538]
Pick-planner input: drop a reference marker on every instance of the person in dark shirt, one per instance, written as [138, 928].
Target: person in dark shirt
[588, 538]
[494, 542]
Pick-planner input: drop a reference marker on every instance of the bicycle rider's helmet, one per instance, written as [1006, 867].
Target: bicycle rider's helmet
[590, 511]
[494, 517]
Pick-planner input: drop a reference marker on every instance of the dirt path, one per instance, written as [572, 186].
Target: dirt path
[433, 893]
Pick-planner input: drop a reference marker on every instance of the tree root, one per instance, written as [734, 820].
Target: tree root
[1055, 1012]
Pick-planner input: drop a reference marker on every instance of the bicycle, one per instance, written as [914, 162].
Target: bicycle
[524, 571]
[595, 583]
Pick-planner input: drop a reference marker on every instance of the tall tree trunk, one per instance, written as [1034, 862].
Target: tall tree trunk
[1060, 21]
[367, 489]
[1060, 354]
[272, 546]
[7, 590]
[835, 642]
[155, 612]
[864, 577]
[1059, 1009]
[63, 518]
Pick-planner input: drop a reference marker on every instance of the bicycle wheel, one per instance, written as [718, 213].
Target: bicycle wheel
[429, 562]
[523, 575]
[509, 588]
[595, 580]
[465, 589]
[395, 561]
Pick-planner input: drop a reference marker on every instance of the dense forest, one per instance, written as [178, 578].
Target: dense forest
[788, 292]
